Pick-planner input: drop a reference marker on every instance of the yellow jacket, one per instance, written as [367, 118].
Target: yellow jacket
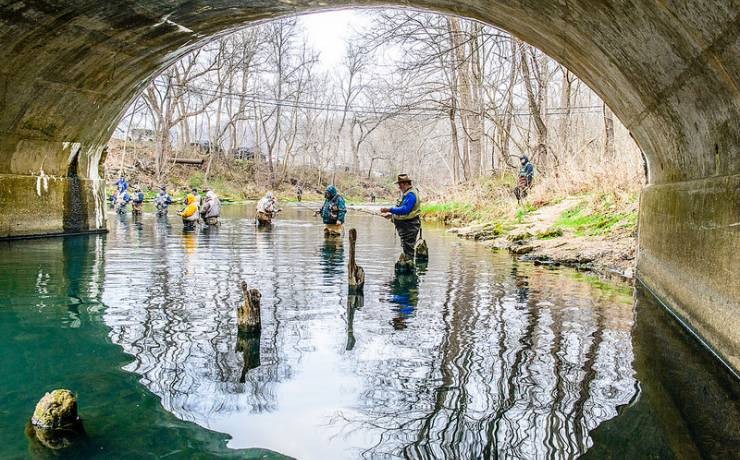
[191, 208]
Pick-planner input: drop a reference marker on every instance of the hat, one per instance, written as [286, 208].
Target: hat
[403, 178]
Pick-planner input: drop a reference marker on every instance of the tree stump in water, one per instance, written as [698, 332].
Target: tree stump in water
[248, 314]
[55, 423]
[355, 273]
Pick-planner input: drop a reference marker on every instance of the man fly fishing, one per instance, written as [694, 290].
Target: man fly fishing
[405, 215]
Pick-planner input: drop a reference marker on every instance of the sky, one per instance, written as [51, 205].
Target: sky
[328, 32]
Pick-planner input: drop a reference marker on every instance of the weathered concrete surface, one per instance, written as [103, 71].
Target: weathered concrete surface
[689, 256]
[670, 70]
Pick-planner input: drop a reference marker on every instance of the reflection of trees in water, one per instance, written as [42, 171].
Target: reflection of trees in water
[180, 327]
[522, 368]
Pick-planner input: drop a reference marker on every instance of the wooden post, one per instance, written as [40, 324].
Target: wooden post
[355, 273]
[248, 314]
[249, 326]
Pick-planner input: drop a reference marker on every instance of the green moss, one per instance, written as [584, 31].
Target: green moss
[55, 409]
[550, 233]
[601, 219]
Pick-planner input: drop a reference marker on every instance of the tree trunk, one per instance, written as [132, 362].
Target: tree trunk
[534, 98]
[565, 105]
[608, 133]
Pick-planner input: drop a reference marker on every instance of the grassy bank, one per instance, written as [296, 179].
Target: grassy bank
[595, 213]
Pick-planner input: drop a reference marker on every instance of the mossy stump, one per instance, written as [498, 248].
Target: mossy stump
[56, 409]
[355, 273]
[55, 423]
[248, 314]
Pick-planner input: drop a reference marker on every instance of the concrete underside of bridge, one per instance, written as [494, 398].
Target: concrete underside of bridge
[668, 69]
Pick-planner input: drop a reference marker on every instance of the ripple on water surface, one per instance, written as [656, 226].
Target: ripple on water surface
[473, 356]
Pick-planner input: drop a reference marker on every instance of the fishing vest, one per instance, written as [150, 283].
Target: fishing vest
[415, 211]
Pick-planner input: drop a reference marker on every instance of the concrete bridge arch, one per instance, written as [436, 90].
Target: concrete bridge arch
[670, 70]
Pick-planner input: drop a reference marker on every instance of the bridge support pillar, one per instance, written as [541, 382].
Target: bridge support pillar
[689, 256]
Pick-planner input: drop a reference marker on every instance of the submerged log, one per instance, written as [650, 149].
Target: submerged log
[248, 314]
[355, 273]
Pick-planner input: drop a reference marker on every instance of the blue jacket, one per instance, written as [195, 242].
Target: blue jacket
[334, 209]
[406, 205]
[138, 197]
[527, 170]
[125, 197]
[121, 184]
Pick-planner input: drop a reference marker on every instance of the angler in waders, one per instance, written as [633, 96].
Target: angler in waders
[405, 216]
[333, 211]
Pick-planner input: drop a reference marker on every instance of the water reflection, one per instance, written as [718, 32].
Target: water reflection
[404, 296]
[355, 302]
[478, 357]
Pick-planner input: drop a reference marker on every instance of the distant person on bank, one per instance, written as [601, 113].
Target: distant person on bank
[405, 215]
[190, 214]
[524, 179]
[333, 211]
[211, 209]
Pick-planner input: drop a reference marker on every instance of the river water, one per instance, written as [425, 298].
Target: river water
[474, 356]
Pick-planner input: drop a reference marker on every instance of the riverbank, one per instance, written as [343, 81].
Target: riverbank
[235, 180]
[595, 232]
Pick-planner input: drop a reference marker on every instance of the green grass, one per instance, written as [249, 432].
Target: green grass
[522, 211]
[449, 211]
[594, 222]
